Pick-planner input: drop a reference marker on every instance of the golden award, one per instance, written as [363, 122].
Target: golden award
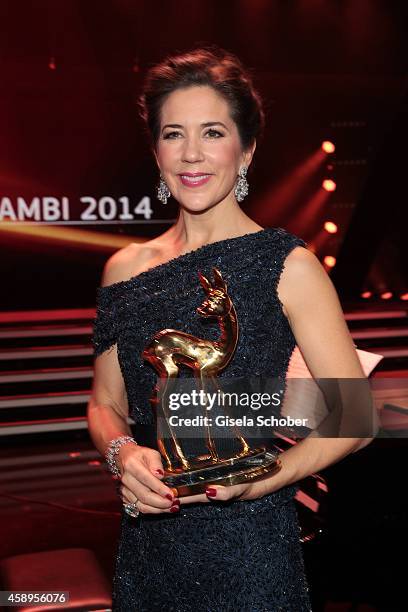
[191, 464]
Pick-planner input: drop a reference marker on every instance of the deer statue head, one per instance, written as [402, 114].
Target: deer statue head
[217, 303]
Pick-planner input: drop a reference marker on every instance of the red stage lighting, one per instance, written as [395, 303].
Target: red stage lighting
[329, 185]
[386, 295]
[366, 294]
[404, 296]
[330, 227]
[330, 261]
[328, 147]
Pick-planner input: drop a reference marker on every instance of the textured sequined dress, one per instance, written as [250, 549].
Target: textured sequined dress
[220, 556]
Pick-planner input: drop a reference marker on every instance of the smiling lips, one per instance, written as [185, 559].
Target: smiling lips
[194, 179]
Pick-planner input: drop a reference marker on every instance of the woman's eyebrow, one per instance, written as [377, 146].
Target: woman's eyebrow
[206, 124]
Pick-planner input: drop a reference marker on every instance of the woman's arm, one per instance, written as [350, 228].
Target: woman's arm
[315, 316]
[107, 419]
[108, 406]
[312, 307]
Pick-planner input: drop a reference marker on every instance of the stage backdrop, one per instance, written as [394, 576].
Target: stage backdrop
[77, 179]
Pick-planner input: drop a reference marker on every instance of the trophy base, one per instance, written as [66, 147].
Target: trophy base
[226, 472]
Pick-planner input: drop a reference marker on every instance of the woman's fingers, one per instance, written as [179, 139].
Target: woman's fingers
[128, 496]
[150, 502]
[213, 493]
[154, 496]
[191, 499]
[238, 492]
[146, 509]
[135, 469]
[146, 495]
[216, 493]
[220, 493]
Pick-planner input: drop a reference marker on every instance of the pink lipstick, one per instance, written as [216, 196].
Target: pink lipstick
[196, 179]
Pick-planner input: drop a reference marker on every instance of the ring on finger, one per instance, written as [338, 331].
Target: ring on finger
[131, 509]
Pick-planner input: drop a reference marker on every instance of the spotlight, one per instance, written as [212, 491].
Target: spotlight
[330, 261]
[330, 227]
[404, 296]
[328, 147]
[329, 185]
[386, 295]
[366, 294]
[51, 64]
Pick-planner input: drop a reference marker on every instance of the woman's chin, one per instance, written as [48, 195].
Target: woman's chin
[198, 203]
[197, 206]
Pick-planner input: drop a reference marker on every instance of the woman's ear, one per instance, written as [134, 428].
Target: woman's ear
[248, 155]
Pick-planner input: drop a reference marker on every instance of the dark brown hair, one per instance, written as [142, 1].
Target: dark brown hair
[211, 66]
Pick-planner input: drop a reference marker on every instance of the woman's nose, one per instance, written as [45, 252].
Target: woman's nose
[192, 150]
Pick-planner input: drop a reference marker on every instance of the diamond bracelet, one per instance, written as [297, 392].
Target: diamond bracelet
[113, 450]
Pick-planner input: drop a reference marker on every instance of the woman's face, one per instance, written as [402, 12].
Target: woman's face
[199, 151]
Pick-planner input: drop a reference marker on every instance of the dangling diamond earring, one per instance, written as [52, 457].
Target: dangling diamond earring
[241, 188]
[163, 192]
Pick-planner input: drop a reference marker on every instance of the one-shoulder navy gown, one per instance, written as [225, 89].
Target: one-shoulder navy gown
[221, 556]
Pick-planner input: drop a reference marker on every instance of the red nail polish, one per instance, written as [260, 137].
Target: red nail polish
[211, 492]
[175, 508]
[169, 496]
[159, 471]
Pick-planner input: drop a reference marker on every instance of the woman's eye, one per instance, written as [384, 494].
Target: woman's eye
[171, 134]
[214, 133]
[211, 133]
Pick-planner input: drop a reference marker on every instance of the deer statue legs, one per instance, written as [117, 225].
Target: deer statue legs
[207, 376]
[169, 372]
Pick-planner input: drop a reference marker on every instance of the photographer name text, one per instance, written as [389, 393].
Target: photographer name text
[245, 421]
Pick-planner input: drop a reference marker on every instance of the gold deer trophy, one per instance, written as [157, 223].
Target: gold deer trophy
[170, 348]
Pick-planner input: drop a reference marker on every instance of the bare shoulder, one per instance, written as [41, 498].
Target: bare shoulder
[316, 317]
[300, 261]
[303, 274]
[133, 259]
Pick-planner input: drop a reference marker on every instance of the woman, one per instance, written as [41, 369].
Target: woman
[208, 552]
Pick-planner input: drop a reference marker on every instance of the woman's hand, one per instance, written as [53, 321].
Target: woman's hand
[239, 492]
[141, 469]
